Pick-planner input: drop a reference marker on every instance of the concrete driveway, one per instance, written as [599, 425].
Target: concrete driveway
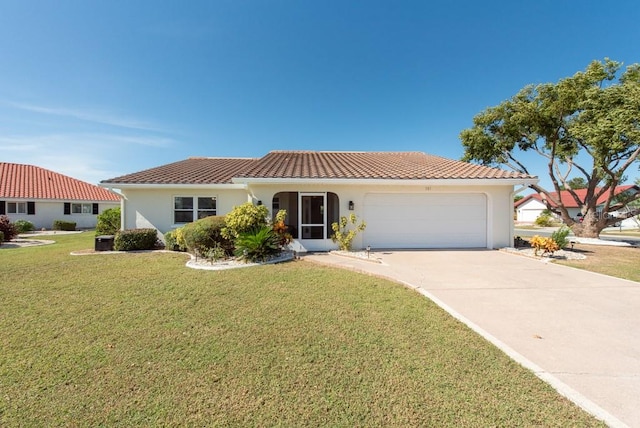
[577, 330]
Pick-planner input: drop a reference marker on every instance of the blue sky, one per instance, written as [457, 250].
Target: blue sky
[97, 89]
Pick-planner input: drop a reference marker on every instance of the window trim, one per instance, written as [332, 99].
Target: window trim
[15, 205]
[195, 207]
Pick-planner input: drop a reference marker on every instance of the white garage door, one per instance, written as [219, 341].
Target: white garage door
[425, 220]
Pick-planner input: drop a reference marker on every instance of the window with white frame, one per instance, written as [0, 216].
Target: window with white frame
[189, 208]
[16, 207]
[81, 208]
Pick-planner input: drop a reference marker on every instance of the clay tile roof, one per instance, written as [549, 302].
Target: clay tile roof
[31, 182]
[188, 171]
[369, 165]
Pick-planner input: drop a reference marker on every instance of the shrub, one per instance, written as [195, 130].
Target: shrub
[216, 253]
[1, 237]
[135, 239]
[548, 245]
[344, 237]
[64, 225]
[257, 245]
[281, 229]
[7, 228]
[544, 220]
[171, 240]
[560, 237]
[243, 219]
[108, 222]
[205, 234]
[23, 226]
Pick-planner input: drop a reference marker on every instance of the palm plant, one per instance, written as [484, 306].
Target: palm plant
[257, 245]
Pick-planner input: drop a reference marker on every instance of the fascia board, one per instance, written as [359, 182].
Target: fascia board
[220, 186]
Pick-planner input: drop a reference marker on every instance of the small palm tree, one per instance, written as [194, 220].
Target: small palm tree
[257, 245]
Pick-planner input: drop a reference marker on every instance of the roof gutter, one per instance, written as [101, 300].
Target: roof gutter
[397, 182]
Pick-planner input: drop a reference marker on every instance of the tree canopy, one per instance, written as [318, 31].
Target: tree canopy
[587, 124]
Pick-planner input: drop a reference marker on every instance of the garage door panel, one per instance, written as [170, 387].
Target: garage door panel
[425, 220]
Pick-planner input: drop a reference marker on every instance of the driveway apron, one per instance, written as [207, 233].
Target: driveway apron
[577, 330]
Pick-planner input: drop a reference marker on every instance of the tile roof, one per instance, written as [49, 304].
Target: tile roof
[314, 165]
[188, 171]
[369, 165]
[31, 182]
[568, 201]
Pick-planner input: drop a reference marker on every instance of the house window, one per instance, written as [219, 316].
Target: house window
[81, 208]
[188, 208]
[16, 207]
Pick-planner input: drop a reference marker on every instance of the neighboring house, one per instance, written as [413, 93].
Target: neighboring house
[407, 199]
[531, 206]
[41, 196]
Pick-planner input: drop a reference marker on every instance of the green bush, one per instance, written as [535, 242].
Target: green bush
[544, 220]
[216, 253]
[257, 245]
[135, 239]
[7, 228]
[205, 234]
[171, 240]
[64, 225]
[243, 219]
[342, 235]
[560, 236]
[23, 226]
[108, 222]
[1, 237]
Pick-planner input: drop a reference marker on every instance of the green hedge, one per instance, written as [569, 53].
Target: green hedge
[205, 234]
[1, 237]
[108, 222]
[24, 226]
[135, 239]
[64, 225]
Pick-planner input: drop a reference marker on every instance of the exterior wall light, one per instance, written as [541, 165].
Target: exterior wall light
[351, 205]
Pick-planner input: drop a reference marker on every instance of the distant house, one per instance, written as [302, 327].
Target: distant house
[42, 196]
[407, 199]
[531, 206]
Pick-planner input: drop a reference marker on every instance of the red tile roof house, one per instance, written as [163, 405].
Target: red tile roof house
[531, 206]
[42, 196]
[407, 199]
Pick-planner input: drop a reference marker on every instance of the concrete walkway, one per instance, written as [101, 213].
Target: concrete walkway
[577, 330]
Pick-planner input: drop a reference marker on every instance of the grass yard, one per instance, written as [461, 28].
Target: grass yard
[621, 262]
[138, 339]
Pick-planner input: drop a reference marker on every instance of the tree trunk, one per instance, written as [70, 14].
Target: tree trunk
[590, 227]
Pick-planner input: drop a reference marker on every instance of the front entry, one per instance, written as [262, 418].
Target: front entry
[309, 214]
[312, 215]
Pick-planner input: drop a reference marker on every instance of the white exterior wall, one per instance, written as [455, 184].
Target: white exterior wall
[47, 211]
[499, 206]
[153, 208]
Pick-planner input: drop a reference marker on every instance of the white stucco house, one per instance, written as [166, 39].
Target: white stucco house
[407, 199]
[531, 206]
[41, 196]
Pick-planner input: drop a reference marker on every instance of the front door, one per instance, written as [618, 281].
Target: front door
[312, 215]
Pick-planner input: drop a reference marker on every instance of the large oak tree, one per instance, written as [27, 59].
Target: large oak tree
[587, 124]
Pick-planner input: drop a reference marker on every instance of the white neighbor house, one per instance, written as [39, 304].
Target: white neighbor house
[41, 196]
[407, 199]
[531, 206]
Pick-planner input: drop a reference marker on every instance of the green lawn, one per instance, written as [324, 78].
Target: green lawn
[139, 339]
